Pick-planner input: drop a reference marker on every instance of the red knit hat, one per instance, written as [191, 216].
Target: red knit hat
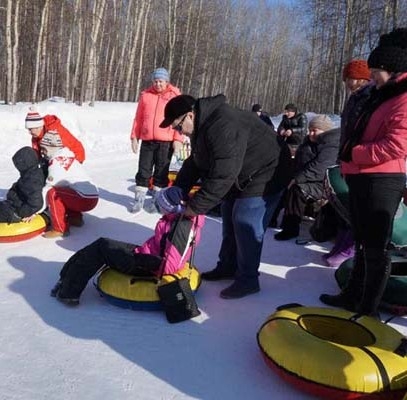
[356, 69]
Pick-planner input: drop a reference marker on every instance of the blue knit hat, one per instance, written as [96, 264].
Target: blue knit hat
[169, 200]
[160, 73]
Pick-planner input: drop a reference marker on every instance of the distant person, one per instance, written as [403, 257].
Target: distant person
[373, 161]
[24, 198]
[68, 189]
[293, 127]
[356, 76]
[157, 144]
[318, 151]
[38, 126]
[234, 156]
[262, 115]
[166, 252]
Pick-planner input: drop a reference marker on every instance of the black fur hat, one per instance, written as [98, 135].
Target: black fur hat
[391, 53]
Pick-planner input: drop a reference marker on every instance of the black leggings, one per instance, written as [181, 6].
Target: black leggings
[120, 256]
[155, 158]
[373, 200]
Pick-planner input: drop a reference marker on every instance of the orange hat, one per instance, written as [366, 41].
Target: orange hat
[356, 69]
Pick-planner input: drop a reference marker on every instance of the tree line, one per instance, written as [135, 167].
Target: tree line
[252, 51]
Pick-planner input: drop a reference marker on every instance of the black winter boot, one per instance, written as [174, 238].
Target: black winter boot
[351, 294]
[55, 289]
[291, 228]
[378, 269]
[218, 274]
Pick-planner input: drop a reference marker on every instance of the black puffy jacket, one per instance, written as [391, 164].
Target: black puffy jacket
[25, 196]
[298, 124]
[234, 154]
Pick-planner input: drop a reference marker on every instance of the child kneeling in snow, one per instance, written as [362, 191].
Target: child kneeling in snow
[164, 253]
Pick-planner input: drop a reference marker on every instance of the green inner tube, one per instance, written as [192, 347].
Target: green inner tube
[396, 289]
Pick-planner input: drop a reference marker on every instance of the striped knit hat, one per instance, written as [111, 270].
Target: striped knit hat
[33, 119]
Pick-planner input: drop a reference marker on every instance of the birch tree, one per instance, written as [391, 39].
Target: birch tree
[41, 51]
[91, 84]
[9, 50]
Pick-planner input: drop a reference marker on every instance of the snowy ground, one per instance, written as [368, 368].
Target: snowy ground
[97, 350]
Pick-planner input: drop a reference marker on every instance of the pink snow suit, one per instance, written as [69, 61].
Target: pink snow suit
[175, 250]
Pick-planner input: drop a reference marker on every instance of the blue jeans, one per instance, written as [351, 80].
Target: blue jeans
[245, 221]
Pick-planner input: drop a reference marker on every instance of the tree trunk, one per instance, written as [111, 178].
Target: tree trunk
[9, 50]
[39, 60]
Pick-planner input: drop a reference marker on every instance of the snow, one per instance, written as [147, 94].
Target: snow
[50, 351]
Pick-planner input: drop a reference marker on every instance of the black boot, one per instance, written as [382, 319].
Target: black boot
[378, 269]
[350, 295]
[218, 274]
[55, 289]
[291, 228]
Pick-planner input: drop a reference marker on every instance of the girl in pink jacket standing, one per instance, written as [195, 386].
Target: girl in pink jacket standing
[157, 144]
[373, 160]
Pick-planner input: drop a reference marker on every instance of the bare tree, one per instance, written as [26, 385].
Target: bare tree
[91, 83]
[9, 49]
[261, 51]
[41, 52]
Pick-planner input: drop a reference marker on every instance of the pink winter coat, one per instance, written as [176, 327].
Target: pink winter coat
[150, 113]
[177, 250]
[383, 148]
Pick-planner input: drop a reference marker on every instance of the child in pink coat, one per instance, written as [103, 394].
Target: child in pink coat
[164, 253]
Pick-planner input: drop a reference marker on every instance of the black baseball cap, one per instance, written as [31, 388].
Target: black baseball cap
[256, 108]
[176, 107]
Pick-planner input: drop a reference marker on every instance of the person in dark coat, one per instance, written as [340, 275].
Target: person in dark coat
[293, 127]
[318, 152]
[373, 161]
[24, 198]
[262, 115]
[356, 75]
[234, 154]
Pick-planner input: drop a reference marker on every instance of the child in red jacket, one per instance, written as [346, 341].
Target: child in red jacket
[38, 126]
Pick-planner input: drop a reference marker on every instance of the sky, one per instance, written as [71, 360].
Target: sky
[50, 351]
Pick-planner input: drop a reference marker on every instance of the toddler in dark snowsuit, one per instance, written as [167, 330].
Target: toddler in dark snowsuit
[24, 198]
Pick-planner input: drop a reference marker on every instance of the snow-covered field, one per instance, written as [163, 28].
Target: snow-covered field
[94, 351]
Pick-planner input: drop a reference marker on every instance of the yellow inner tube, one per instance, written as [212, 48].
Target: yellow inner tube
[22, 228]
[327, 347]
[127, 287]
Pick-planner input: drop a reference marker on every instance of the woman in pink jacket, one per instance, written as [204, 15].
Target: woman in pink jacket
[373, 160]
[157, 144]
[166, 252]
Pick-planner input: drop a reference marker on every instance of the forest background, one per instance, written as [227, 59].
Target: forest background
[252, 51]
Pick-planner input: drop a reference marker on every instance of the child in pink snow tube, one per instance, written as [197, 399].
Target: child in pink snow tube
[164, 253]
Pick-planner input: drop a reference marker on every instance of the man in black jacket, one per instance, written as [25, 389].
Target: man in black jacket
[313, 157]
[234, 154]
[293, 127]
